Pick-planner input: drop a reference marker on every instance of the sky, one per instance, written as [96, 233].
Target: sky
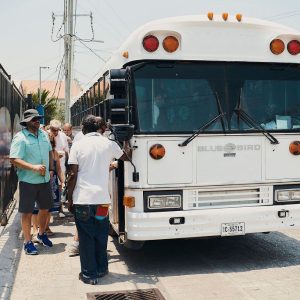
[27, 40]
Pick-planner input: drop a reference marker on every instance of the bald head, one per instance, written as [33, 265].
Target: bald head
[67, 129]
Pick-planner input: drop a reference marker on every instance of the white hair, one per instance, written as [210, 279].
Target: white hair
[55, 124]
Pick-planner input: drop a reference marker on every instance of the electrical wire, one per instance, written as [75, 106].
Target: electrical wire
[118, 16]
[60, 64]
[284, 15]
[52, 30]
[90, 49]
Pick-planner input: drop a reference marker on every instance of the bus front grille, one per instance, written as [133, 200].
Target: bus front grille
[203, 199]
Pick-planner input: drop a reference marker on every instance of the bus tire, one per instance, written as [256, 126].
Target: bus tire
[134, 245]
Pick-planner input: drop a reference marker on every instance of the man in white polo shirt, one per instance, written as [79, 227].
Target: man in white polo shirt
[89, 198]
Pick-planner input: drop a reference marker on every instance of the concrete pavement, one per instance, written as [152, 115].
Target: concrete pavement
[53, 274]
[257, 266]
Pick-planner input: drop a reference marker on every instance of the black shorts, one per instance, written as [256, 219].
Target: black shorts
[31, 193]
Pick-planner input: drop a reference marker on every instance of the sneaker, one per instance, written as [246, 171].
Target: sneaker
[73, 250]
[43, 239]
[30, 249]
[87, 280]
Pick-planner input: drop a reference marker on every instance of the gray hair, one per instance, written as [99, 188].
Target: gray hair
[56, 124]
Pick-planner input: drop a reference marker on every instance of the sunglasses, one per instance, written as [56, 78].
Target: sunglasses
[35, 120]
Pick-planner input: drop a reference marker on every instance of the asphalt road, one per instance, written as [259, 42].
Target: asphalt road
[256, 266]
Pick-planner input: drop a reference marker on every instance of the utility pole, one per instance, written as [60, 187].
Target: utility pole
[69, 54]
[69, 36]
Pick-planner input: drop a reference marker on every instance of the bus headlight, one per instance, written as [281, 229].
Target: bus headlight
[164, 201]
[283, 196]
[287, 195]
[295, 195]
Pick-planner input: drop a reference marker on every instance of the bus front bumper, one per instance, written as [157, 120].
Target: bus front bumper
[205, 223]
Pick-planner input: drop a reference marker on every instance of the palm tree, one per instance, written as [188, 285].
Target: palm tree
[49, 103]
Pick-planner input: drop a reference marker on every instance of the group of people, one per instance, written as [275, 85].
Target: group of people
[40, 157]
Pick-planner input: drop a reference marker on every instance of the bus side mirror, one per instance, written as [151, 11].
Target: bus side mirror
[123, 132]
[118, 111]
[118, 82]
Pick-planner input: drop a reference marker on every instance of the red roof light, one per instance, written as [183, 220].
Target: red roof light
[150, 43]
[293, 47]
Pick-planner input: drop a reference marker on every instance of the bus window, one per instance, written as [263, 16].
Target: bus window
[175, 105]
[184, 97]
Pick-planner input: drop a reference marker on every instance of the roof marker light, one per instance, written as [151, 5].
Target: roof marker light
[239, 17]
[125, 54]
[210, 15]
[150, 43]
[225, 16]
[277, 46]
[293, 47]
[170, 43]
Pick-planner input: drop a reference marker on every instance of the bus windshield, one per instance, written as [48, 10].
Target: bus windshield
[183, 96]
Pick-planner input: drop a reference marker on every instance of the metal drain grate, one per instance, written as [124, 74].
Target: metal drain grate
[148, 294]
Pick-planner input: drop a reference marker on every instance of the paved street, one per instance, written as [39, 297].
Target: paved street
[258, 266]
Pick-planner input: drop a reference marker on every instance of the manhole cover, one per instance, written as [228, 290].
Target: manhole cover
[148, 294]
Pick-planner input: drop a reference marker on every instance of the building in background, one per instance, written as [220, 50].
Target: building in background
[56, 88]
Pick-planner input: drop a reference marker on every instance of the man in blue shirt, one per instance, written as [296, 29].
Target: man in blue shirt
[31, 153]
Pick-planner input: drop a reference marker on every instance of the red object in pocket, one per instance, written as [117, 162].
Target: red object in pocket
[102, 212]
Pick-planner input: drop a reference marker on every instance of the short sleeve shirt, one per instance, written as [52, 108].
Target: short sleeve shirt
[34, 150]
[93, 154]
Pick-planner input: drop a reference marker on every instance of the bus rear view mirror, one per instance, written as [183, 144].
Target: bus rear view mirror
[118, 82]
[123, 132]
[118, 111]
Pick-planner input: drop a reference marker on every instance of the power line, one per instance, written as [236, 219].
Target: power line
[118, 16]
[79, 40]
[107, 23]
[284, 15]
[59, 74]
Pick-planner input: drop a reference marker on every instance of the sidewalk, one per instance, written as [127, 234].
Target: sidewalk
[53, 274]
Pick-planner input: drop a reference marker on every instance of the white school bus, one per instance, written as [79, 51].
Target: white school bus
[211, 106]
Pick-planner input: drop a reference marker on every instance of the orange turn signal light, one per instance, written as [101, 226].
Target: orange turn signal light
[210, 16]
[277, 46]
[129, 201]
[125, 54]
[170, 43]
[238, 17]
[225, 16]
[295, 147]
[157, 151]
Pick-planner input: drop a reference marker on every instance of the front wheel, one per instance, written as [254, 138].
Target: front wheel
[134, 245]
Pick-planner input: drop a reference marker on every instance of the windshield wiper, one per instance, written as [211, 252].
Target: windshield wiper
[250, 121]
[201, 129]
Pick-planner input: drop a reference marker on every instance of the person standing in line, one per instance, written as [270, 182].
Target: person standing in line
[73, 249]
[61, 141]
[68, 131]
[31, 154]
[88, 196]
[56, 188]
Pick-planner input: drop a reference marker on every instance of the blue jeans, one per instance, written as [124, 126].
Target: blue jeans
[93, 235]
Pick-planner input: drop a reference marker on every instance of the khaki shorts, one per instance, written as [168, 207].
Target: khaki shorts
[31, 193]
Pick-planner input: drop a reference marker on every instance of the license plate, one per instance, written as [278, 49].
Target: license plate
[232, 229]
